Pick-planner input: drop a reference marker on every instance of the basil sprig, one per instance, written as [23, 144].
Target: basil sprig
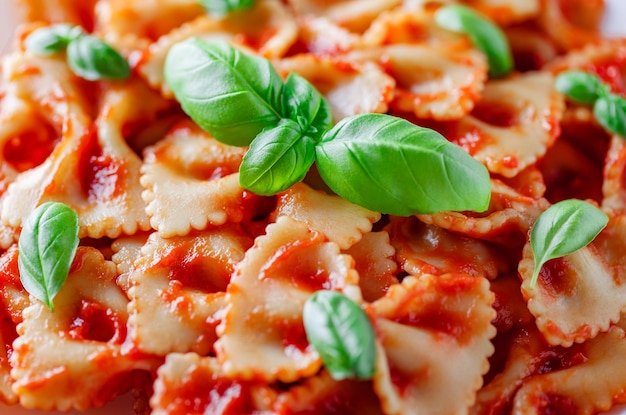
[87, 56]
[47, 246]
[378, 161]
[224, 7]
[562, 229]
[341, 333]
[609, 109]
[484, 33]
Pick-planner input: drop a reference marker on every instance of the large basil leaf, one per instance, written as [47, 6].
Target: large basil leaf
[277, 158]
[610, 111]
[47, 246]
[92, 59]
[390, 165]
[230, 94]
[341, 333]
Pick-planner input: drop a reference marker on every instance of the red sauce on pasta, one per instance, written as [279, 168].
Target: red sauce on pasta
[32, 147]
[495, 114]
[196, 271]
[552, 404]
[292, 334]
[95, 321]
[612, 70]
[556, 277]
[99, 173]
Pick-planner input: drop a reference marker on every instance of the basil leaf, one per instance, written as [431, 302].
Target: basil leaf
[92, 59]
[610, 111]
[390, 165]
[562, 229]
[276, 159]
[341, 333]
[304, 104]
[485, 35]
[52, 39]
[223, 7]
[47, 246]
[581, 87]
[231, 95]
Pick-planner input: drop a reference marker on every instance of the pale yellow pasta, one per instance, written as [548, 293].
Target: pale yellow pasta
[191, 182]
[305, 204]
[178, 285]
[81, 340]
[262, 334]
[428, 364]
[613, 189]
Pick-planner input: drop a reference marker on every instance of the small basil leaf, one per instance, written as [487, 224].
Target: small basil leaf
[390, 165]
[52, 39]
[276, 159]
[610, 111]
[581, 87]
[341, 333]
[231, 95]
[92, 59]
[485, 35]
[562, 229]
[47, 246]
[223, 7]
[304, 104]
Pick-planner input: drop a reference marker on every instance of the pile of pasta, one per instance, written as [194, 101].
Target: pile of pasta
[187, 291]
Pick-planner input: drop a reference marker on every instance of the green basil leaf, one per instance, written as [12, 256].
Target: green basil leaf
[304, 104]
[610, 111]
[52, 39]
[562, 229]
[47, 246]
[224, 7]
[341, 333]
[485, 35]
[276, 159]
[390, 165]
[581, 87]
[231, 95]
[92, 59]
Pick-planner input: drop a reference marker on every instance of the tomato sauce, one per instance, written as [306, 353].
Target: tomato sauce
[100, 175]
[95, 321]
[30, 148]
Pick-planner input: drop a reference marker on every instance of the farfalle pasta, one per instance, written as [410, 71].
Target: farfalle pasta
[190, 292]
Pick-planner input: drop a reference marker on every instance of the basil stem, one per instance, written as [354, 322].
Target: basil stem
[581, 87]
[92, 59]
[341, 333]
[390, 165]
[224, 7]
[47, 246]
[231, 95]
[485, 35]
[562, 229]
[278, 158]
[52, 39]
[610, 112]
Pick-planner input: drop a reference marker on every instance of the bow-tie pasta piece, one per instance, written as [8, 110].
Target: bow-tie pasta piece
[572, 26]
[350, 87]
[429, 249]
[193, 385]
[177, 289]
[513, 124]
[581, 294]
[191, 181]
[436, 82]
[375, 261]
[267, 29]
[322, 394]
[345, 227]
[80, 343]
[354, 15]
[262, 334]
[599, 369]
[91, 169]
[506, 221]
[435, 334]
